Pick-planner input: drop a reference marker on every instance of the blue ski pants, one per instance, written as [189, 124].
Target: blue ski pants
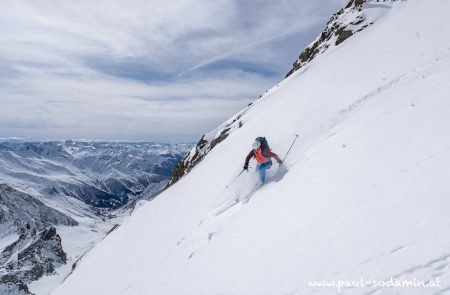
[262, 170]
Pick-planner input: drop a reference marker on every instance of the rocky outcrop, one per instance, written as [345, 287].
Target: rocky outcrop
[204, 146]
[37, 250]
[29, 258]
[32, 256]
[40, 258]
[10, 285]
[342, 25]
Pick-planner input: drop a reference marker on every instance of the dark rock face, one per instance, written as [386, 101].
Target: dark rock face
[10, 285]
[189, 162]
[36, 256]
[38, 250]
[345, 23]
[357, 3]
[203, 147]
[338, 29]
[40, 258]
[13, 248]
[343, 35]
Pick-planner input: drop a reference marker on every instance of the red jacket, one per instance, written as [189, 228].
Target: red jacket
[266, 155]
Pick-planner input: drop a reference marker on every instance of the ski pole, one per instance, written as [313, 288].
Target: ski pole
[296, 136]
[234, 179]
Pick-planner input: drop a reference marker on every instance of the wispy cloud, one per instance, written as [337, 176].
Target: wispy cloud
[143, 70]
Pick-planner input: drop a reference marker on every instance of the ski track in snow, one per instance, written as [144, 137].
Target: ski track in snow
[409, 77]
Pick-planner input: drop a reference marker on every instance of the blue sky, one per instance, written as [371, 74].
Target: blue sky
[144, 69]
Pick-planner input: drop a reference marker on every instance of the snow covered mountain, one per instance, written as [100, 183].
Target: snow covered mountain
[57, 199]
[29, 243]
[364, 200]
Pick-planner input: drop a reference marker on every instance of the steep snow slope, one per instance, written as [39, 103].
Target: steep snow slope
[366, 195]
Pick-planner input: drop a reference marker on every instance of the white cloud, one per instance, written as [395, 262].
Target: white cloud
[155, 70]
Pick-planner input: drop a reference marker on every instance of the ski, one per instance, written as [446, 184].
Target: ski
[226, 207]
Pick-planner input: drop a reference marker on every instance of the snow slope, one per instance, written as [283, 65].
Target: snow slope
[366, 195]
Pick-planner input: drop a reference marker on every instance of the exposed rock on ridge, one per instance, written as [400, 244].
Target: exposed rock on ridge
[345, 23]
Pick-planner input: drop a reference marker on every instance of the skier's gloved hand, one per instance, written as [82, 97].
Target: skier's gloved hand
[246, 167]
[280, 162]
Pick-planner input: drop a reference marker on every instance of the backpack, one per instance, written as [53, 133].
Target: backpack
[263, 142]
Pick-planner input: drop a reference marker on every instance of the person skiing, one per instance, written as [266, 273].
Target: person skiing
[263, 155]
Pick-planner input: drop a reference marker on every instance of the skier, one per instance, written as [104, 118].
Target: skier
[263, 155]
